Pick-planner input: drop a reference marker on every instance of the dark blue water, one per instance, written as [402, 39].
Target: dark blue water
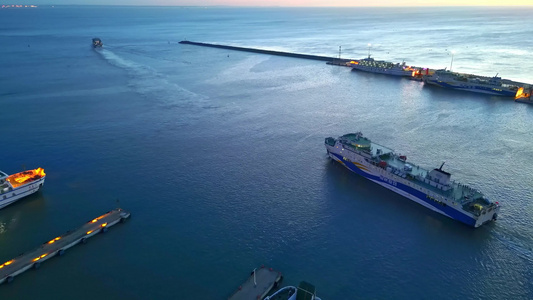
[219, 154]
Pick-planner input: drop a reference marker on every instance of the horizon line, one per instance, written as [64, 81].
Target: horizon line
[279, 6]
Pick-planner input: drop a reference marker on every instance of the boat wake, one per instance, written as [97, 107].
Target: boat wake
[153, 85]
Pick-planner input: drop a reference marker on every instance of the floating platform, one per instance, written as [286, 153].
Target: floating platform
[258, 285]
[58, 245]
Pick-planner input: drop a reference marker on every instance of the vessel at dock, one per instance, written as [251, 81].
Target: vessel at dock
[472, 83]
[382, 67]
[433, 189]
[304, 291]
[19, 185]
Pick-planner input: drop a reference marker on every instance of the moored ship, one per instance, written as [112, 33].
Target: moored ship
[433, 189]
[472, 83]
[19, 185]
[382, 67]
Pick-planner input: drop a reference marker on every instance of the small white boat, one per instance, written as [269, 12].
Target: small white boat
[304, 291]
[19, 185]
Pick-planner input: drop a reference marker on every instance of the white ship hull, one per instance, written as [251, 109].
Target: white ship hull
[10, 194]
[393, 71]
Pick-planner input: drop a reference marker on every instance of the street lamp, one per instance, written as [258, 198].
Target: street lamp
[451, 62]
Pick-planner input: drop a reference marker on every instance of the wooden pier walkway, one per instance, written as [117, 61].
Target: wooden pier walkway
[58, 245]
[258, 285]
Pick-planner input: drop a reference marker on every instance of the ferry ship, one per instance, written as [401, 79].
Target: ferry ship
[472, 83]
[382, 67]
[19, 185]
[433, 189]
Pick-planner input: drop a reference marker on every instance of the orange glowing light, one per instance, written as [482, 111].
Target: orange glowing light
[36, 259]
[104, 225]
[43, 255]
[7, 263]
[93, 221]
[54, 240]
[22, 178]
[521, 94]
[90, 231]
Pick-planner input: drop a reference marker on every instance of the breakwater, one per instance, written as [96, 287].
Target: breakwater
[271, 52]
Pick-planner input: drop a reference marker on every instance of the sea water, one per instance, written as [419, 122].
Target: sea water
[219, 155]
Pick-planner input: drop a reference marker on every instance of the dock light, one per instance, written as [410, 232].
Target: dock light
[90, 231]
[94, 221]
[54, 240]
[104, 225]
[37, 258]
[7, 263]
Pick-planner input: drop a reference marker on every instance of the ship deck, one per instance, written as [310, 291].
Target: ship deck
[458, 192]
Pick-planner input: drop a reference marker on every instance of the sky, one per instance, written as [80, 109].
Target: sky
[297, 3]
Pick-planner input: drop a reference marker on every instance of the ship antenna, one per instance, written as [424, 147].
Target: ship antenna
[442, 166]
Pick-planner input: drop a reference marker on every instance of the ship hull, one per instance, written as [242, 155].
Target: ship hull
[372, 173]
[474, 88]
[393, 72]
[20, 192]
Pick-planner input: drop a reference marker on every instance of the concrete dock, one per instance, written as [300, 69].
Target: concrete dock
[271, 52]
[258, 285]
[58, 245]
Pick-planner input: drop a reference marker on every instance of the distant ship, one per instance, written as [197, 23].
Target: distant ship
[19, 185]
[433, 189]
[472, 83]
[382, 67]
[97, 43]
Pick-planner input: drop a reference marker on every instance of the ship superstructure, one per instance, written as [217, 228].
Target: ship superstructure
[472, 83]
[382, 67]
[19, 185]
[433, 189]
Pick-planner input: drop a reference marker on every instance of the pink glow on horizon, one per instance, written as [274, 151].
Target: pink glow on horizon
[344, 3]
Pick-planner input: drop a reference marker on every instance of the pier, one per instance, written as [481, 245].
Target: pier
[58, 245]
[346, 62]
[271, 52]
[261, 281]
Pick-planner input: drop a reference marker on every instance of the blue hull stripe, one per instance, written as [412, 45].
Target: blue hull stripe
[450, 211]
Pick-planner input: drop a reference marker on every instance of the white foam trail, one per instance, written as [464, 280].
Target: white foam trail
[146, 81]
